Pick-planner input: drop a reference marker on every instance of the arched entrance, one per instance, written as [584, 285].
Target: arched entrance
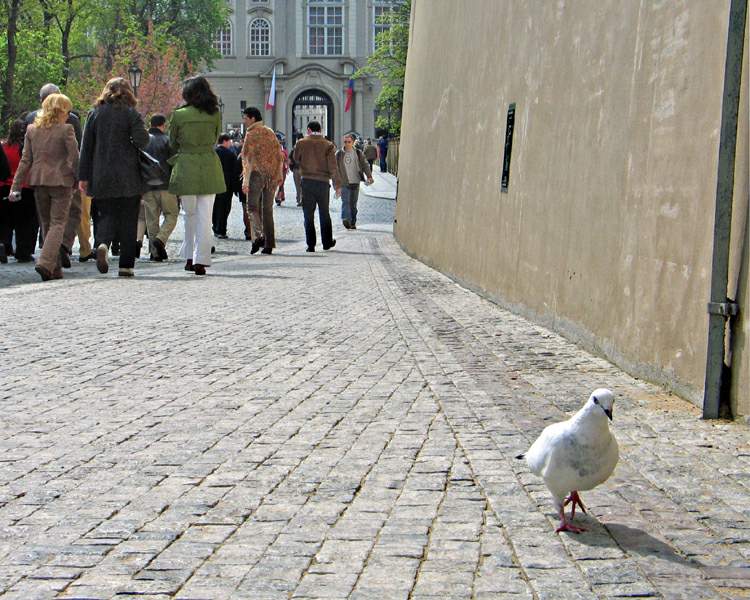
[312, 105]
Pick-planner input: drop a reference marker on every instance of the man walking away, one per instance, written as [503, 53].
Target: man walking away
[157, 200]
[383, 153]
[317, 163]
[74, 215]
[262, 164]
[223, 201]
[371, 152]
[353, 168]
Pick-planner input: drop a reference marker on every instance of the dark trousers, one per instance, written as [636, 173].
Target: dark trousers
[383, 163]
[349, 197]
[316, 193]
[118, 219]
[220, 215]
[370, 163]
[95, 220]
[19, 217]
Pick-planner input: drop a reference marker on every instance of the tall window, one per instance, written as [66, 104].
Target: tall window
[260, 37]
[381, 22]
[223, 40]
[325, 27]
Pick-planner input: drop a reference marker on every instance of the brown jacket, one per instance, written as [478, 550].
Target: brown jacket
[261, 153]
[316, 158]
[50, 157]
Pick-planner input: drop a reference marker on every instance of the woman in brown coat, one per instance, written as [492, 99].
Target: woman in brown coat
[49, 163]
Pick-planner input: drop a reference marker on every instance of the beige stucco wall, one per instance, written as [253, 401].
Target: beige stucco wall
[739, 272]
[606, 231]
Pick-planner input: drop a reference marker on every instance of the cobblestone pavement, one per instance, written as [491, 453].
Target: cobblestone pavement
[332, 425]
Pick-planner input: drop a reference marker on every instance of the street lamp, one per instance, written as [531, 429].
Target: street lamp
[134, 75]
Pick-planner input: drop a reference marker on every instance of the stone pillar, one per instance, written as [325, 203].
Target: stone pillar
[357, 108]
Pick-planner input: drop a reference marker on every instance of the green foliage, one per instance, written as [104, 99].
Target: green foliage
[72, 42]
[388, 64]
[37, 64]
[190, 23]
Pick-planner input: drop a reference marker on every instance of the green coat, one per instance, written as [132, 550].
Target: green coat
[196, 169]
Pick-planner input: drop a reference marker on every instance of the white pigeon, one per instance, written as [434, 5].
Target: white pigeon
[575, 455]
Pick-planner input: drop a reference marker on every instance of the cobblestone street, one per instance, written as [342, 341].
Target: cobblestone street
[333, 425]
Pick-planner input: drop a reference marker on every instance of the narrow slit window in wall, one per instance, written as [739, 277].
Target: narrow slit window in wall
[508, 147]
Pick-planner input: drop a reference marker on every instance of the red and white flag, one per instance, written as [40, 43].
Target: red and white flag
[272, 94]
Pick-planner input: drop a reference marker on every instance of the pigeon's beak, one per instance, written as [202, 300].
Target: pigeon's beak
[608, 412]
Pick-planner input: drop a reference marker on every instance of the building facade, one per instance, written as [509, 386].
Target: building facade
[574, 169]
[314, 47]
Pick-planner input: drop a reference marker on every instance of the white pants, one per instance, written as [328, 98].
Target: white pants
[198, 233]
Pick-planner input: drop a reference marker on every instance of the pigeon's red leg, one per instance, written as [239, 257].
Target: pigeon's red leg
[566, 525]
[576, 500]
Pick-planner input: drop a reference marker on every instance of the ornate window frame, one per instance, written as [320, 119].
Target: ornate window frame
[223, 40]
[257, 48]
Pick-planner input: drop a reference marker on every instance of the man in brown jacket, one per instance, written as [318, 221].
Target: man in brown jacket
[317, 163]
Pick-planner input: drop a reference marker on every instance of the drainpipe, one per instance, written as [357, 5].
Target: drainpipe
[721, 308]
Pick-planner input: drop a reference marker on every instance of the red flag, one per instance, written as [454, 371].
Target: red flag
[349, 94]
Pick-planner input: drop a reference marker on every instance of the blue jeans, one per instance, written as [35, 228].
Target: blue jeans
[349, 197]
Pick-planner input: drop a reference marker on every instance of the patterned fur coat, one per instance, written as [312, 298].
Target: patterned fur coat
[261, 152]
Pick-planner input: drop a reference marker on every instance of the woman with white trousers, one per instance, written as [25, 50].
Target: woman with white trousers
[196, 170]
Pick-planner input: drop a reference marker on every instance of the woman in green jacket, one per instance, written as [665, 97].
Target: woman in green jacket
[196, 170]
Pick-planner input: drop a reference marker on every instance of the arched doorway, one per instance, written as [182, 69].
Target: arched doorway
[312, 105]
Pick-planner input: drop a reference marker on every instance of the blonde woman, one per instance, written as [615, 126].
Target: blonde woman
[49, 163]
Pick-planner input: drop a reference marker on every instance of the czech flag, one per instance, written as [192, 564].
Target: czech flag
[349, 95]
[272, 94]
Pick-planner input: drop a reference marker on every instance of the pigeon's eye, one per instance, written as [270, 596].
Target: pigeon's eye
[596, 400]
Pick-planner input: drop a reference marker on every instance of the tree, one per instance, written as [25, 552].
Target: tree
[164, 64]
[11, 10]
[64, 14]
[78, 44]
[192, 23]
[388, 64]
[195, 22]
[27, 61]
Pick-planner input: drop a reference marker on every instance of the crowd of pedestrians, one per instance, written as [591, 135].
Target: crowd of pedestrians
[57, 180]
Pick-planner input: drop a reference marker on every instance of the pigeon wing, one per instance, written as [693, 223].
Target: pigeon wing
[542, 450]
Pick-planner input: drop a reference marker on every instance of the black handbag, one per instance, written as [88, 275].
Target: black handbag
[152, 172]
